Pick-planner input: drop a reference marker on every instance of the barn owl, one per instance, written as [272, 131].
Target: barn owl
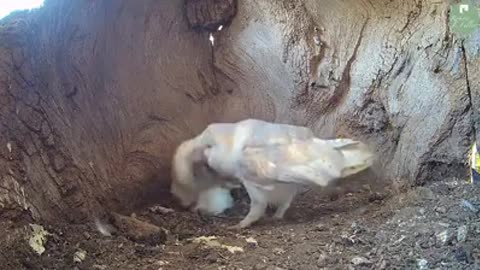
[273, 162]
[274, 170]
[191, 177]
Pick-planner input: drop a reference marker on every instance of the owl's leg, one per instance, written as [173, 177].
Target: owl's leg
[257, 211]
[258, 206]
[283, 207]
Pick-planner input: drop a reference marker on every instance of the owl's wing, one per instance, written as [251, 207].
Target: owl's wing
[306, 162]
[258, 133]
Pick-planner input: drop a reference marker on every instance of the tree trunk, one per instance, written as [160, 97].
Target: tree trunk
[95, 95]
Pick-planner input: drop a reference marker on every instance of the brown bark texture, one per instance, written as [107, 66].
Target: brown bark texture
[96, 95]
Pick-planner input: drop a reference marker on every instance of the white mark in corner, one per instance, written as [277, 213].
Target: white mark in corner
[9, 147]
[212, 39]
[463, 8]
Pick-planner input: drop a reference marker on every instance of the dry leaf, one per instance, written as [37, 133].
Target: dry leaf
[38, 238]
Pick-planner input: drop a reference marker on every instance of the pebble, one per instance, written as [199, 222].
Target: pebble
[252, 241]
[444, 238]
[426, 243]
[360, 261]
[79, 256]
[356, 228]
[322, 260]
[86, 235]
[462, 233]
[320, 227]
[441, 210]
[278, 251]
[376, 197]
[422, 264]
[260, 266]
[162, 263]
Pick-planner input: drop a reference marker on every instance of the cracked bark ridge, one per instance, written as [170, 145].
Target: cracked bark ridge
[390, 74]
[77, 137]
[33, 160]
[95, 95]
[208, 15]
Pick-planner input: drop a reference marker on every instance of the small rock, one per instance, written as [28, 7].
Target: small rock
[252, 241]
[86, 235]
[354, 226]
[320, 227]
[139, 231]
[421, 211]
[278, 251]
[162, 263]
[357, 228]
[348, 240]
[79, 256]
[260, 266]
[322, 260]
[462, 233]
[360, 261]
[422, 264]
[376, 197]
[99, 266]
[441, 210]
[444, 238]
[160, 209]
[426, 243]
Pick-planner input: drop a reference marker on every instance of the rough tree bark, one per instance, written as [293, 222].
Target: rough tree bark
[95, 95]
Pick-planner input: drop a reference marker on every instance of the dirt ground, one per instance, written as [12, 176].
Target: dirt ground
[431, 227]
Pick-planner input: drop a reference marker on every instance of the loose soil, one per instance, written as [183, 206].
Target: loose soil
[431, 227]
